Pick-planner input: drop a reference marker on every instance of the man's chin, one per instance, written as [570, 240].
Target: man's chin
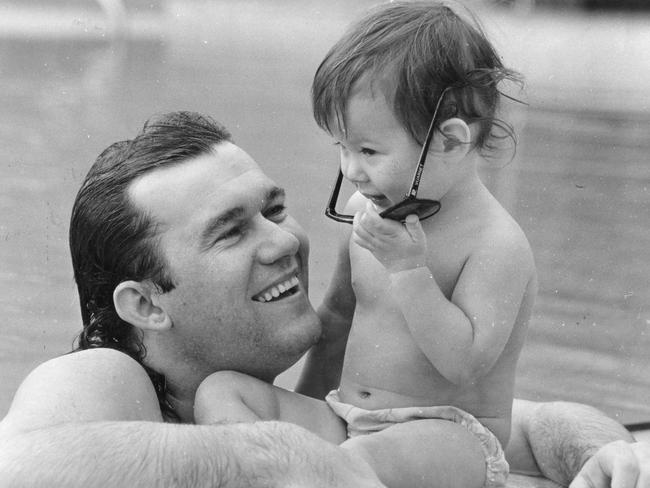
[303, 335]
[312, 329]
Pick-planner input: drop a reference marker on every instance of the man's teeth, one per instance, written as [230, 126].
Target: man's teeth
[277, 290]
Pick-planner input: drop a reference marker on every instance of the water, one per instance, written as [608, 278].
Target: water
[579, 185]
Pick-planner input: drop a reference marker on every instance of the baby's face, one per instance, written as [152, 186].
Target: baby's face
[378, 155]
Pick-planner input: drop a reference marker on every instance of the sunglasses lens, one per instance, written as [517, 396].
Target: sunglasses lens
[422, 208]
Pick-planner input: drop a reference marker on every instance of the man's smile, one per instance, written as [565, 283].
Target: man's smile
[279, 291]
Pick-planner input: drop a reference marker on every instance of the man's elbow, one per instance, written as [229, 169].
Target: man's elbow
[601, 427]
[564, 435]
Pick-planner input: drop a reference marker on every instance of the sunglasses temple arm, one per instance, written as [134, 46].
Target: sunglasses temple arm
[335, 193]
[330, 211]
[425, 147]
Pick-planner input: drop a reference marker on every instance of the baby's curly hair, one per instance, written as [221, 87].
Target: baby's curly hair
[412, 51]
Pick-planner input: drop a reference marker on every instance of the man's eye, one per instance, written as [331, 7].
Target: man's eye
[230, 233]
[276, 212]
[367, 151]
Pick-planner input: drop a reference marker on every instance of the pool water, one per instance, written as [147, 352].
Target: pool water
[579, 184]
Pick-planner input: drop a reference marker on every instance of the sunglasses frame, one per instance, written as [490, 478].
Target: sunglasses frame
[402, 209]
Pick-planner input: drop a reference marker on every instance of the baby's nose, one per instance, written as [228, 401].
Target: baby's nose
[352, 168]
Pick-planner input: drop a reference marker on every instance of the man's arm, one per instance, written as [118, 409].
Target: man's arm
[91, 419]
[557, 438]
[618, 464]
[148, 454]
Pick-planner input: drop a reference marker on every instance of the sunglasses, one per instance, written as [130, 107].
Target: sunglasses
[422, 207]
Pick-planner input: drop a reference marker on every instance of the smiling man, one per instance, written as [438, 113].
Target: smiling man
[187, 263]
[238, 264]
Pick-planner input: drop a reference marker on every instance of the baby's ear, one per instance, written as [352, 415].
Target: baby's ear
[456, 137]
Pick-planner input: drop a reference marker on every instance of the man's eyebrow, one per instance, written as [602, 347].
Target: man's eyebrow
[215, 225]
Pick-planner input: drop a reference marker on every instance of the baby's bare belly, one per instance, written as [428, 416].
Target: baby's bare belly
[384, 370]
[390, 385]
[496, 419]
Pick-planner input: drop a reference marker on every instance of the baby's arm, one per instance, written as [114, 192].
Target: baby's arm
[322, 370]
[462, 336]
[228, 397]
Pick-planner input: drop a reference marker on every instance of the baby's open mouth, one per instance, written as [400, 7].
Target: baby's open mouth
[379, 200]
[279, 291]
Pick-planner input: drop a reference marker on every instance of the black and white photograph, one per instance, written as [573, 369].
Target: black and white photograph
[325, 243]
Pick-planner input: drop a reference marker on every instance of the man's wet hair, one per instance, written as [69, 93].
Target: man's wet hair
[112, 241]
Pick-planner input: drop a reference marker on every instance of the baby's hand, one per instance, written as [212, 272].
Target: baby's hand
[397, 246]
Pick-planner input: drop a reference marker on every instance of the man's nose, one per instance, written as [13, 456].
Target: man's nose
[352, 168]
[277, 243]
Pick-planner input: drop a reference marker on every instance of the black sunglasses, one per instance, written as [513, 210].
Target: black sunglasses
[422, 207]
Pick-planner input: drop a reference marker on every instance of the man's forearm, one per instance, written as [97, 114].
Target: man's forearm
[148, 454]
[115, 454]
[563, 436]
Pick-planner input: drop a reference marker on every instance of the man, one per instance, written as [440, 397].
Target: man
[188, 263]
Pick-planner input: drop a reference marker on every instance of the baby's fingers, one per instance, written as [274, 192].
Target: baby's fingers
[414, 228]
[378, 226]
[360, 233]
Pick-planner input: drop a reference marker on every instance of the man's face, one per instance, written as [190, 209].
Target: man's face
[239, 263]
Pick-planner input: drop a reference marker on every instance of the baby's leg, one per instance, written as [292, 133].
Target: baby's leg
[228, 396]
[423, 453]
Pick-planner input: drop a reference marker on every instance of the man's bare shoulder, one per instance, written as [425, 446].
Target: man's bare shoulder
[90, 385]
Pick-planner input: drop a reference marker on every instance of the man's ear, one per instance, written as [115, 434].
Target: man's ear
[135, 303]
[456, 138]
